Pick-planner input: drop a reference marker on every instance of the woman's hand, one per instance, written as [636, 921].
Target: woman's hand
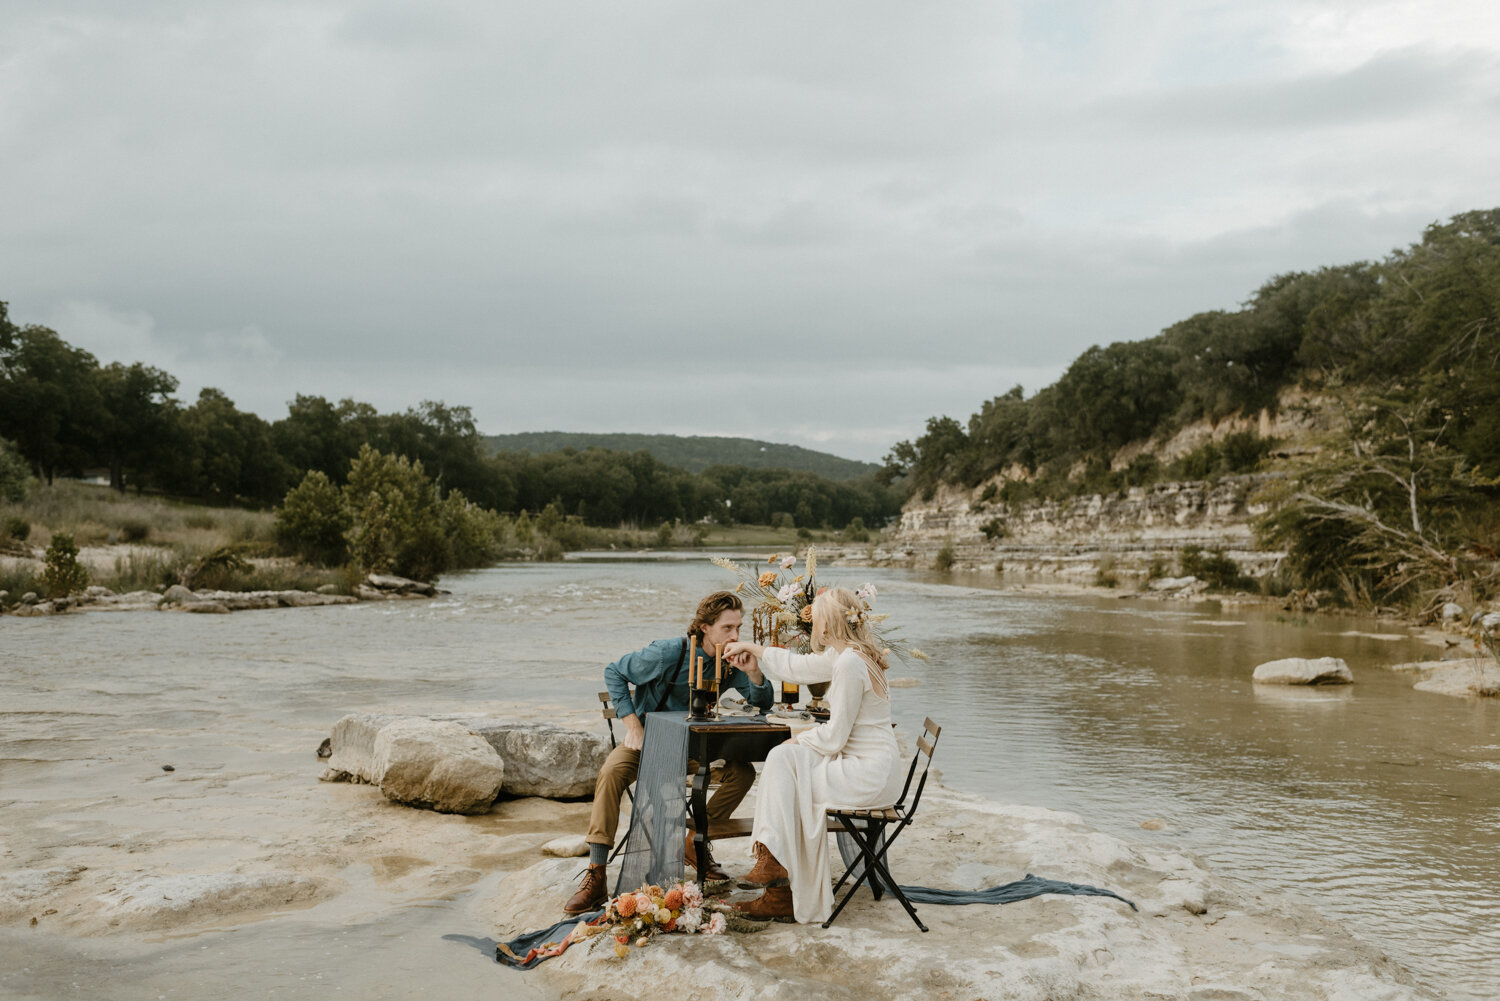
[739, 652]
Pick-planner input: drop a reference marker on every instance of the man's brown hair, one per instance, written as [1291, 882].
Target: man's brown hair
[709, 610]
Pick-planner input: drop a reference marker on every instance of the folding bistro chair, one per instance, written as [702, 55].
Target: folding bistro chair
[874, 831]
[609, 719]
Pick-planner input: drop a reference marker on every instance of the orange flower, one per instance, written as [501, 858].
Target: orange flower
[768, 578]
[626, 905]
[806, 613]
[673, 899]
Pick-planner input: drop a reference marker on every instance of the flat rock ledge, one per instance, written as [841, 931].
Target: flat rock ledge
[1196, 937]
[1304, 671]
[1473, 678]
[534, 759]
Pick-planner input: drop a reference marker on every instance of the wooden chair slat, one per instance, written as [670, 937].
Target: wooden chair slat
[925, 746]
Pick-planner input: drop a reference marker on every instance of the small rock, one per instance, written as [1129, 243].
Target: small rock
[1304, 671]
[329, 589]
[179, 595]
[208, 607]
[98, 591]
[1490, 622]
[1171, 583]
[1452, 611]
[168, 768]
[1154, 824]
[572, 846]
[325, 749]
[29, 598]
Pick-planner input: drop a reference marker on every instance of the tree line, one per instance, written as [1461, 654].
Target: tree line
[65, 413]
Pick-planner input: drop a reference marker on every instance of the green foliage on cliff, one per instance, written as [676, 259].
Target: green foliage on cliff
[1420, 325]
[1396, 509]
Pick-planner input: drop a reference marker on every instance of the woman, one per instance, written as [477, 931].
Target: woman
[852, 761]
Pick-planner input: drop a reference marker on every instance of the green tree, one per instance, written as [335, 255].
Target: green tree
[49, 400]
[62, 574]
[313, 520]
[14, 473]
[396, 526]
[138, 417]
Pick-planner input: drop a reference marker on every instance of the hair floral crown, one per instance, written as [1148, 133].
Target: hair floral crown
[784, 598]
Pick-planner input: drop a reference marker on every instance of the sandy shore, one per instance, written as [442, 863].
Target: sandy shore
[249, 855]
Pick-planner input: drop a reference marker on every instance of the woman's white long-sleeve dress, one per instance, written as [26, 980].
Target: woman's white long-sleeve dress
[852, 761]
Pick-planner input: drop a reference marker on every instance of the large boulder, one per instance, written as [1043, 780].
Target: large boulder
[436, 764]
[540, 759]
[1304, 671]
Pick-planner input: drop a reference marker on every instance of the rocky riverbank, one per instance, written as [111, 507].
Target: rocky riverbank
[177, 598]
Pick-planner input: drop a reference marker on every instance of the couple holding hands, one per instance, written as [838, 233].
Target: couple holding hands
[851, 761]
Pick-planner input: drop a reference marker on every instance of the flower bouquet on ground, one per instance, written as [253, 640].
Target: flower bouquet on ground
[635, 918]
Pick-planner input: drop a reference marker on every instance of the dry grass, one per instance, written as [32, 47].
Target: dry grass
[131, 543]
[98, 516]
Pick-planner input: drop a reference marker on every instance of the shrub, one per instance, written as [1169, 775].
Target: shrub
[134, 530]
[200, 520]
[1105, 575]
[313, 519]
[993, 529]
[216, 570]
[1213, 566]
[944, 559]
[856, 531]
[62, 574]
[17, 528]
[664, 535]
[1158, 567]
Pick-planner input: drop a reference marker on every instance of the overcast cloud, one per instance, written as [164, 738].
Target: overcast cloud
[818, 223]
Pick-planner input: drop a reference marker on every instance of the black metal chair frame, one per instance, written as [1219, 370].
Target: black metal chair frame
[868, 828]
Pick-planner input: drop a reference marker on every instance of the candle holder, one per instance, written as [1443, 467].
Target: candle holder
[699, 700]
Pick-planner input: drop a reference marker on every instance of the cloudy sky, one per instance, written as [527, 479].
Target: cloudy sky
[812, 222]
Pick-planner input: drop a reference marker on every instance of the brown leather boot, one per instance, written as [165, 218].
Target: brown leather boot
[592, 893]
[766, 872]
[709, 871]
[775, 904]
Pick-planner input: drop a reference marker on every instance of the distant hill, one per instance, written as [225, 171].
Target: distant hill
[694, 453]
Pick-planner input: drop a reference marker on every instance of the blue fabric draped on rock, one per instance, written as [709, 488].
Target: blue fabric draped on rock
[513, 953]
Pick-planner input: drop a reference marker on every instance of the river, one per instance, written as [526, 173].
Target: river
[1373, 803]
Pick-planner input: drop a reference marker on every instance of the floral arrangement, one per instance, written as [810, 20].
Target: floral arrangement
[633, 918]
[783, 598]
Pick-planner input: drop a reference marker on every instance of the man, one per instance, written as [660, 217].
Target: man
[660, 674]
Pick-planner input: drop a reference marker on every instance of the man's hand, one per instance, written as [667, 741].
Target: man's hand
[635, 732]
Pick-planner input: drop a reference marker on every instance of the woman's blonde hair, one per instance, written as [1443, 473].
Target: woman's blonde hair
[846, 622]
